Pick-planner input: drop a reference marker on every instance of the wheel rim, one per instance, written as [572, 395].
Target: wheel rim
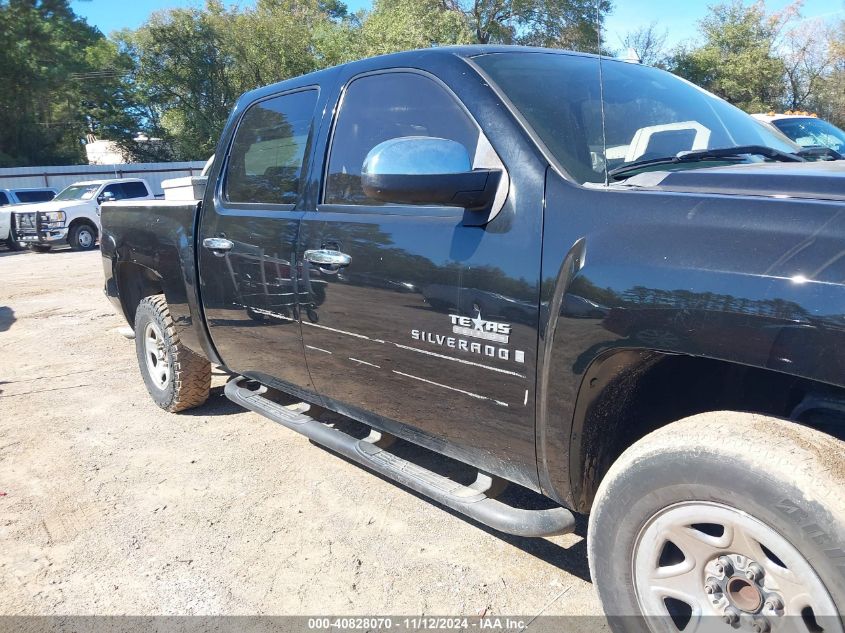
[85, 238]
[699, 559]
[155, 353]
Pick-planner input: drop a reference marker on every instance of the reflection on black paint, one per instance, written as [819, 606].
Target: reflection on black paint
[267, 287]
[412, 272]
[250, 294]
[265, 164]
[655, 318]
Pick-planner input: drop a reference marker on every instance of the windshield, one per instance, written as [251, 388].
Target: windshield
[78, 192]
[649, 113]
[812, 133]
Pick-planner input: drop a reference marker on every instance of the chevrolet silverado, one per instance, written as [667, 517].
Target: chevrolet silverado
[570, 274]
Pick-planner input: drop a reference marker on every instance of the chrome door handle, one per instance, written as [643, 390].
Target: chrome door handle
[218, 245]
[325, 257]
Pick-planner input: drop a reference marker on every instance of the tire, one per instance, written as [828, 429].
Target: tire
[12, 244]
[40, 248]
[762, 481]
[318, 294]
[176, 378]
[82, 237]
[258, 317]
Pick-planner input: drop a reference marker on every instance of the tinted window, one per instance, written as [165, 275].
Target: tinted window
[4, 199]
[267, 155]
[134, 190]
[35, 196]
[380, 107]
[649, 113]
[116, 190]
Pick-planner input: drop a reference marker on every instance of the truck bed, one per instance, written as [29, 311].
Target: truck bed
[156, 235]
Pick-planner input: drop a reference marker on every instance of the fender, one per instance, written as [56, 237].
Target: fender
[751, 280]
[549, 436]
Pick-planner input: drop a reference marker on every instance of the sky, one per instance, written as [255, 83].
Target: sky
[678, 16]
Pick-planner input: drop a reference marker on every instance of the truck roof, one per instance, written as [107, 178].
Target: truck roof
[107, 181]
[27, 189]
[407, 59]
[774, 116]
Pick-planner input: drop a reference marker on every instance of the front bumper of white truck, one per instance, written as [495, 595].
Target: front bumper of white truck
[32, 227]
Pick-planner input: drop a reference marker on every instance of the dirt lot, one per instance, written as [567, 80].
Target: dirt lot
[109, 505]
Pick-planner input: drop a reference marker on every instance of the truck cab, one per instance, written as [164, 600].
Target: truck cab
[73, 216]
[18, 196]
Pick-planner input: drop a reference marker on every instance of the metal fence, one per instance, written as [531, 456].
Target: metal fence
[62, 176]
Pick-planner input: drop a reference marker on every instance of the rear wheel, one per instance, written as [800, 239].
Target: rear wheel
[176, 378]
[82, 237]
[723, 516]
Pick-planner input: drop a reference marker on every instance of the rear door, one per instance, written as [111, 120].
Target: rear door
[122, 191]
[430, 330]
[127, 190]
[135, 189]
[247, 242]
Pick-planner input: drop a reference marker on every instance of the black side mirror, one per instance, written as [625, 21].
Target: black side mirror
[427, 170]
[106, 196]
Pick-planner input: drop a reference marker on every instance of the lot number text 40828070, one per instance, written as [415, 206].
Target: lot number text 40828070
[422, 623]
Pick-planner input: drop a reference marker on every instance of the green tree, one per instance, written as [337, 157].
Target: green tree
[827, 97]
[61, 77]
[191, 65]
[276, 39]
[809, 56]
[738, 59]
[570, 24]
[397, 25]
[184, 73]
[648, 43]
[113, 107]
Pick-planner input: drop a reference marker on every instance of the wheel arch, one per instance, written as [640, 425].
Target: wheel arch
[627, 394]
[135, 283]
[83, 220]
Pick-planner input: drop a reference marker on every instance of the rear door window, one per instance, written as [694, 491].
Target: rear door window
[42, 195]
[269, 149]
[134, 190]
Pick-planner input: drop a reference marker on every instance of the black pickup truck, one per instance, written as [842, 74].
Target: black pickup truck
[569, 274]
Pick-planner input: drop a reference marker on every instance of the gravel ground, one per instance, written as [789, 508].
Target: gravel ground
[109, 505]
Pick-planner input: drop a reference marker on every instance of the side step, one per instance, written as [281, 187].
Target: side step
[472, 501]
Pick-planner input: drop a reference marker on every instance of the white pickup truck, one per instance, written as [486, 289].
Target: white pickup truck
[73, 216]
[9, 197]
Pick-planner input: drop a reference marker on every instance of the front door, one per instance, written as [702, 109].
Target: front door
[424, 326]
[247, 242]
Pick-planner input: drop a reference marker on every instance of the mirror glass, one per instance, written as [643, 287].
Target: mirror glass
[417, 156]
